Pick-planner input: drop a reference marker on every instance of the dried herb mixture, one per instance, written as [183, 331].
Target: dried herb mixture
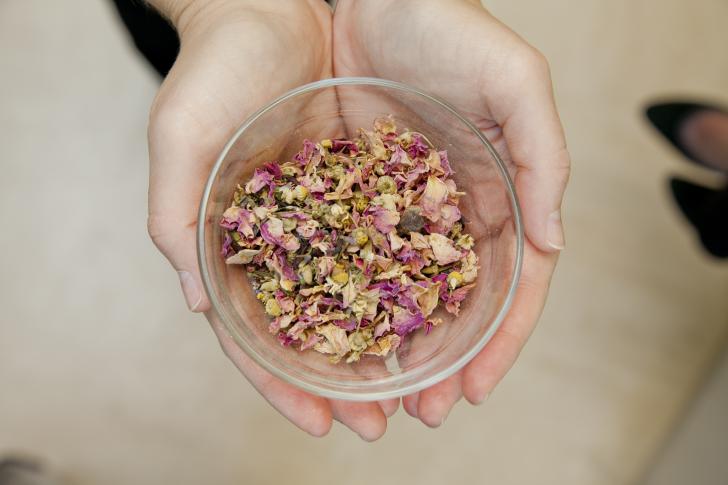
[352, 244]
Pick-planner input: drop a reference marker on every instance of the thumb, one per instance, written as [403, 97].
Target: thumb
[176, 240]
[540, 191]
[179, 165]
[535, 138]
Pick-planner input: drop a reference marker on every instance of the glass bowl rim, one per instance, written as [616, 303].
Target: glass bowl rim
[361, 394]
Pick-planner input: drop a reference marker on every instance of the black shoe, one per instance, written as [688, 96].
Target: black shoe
[667, 118]
[707, 211]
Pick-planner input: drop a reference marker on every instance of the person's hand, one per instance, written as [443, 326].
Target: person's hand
[457, 50]
[235, 56]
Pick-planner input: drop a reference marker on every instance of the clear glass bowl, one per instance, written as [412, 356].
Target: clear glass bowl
[336, 108]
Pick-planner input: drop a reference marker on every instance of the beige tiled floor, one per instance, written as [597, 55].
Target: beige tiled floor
[104, 372]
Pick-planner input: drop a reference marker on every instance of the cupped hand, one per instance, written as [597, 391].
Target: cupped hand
[235, 56]
[455, 49]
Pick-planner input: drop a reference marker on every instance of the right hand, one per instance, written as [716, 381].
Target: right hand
[457, 50]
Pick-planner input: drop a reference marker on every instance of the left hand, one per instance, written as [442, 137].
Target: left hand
[236, 55]
[455, 49]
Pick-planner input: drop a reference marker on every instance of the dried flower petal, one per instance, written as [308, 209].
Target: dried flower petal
[449, 215]
[418, 241]
[453, 300]
[344, 145]
[398, 159]
[405, 322]
[285, 302]
[307, 229]
[230, 217]
[385, 220]
[384, 345]
[336, 343]
[470, 267]
[311, 341]
[434, 162]
[273, 233]
[244, 256]
[418, 147]
[443, 249]
[395, 242]
[429, 299]
[445, 163]
[260, 179]
[304, 156]
[382, 327]
[227, 246]
[433, 198]
[385, 125]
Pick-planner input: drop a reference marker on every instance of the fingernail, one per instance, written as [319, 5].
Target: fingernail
[555, 231]
[366, 439]
[444, 418]
[191, 290]
[482, 400]
[415, 401]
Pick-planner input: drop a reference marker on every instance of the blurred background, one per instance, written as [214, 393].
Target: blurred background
[107, 377]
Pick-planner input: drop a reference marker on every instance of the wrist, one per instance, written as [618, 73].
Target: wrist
[193, 15]
[175, 11]
[188, 15]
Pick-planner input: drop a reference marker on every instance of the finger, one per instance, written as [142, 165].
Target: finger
[435, 402]
[482, 374]
[409, 403]
[389, 406]
[177, 242]
[527, 113]
[179, 165]
[364, 418]
[310, 413]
